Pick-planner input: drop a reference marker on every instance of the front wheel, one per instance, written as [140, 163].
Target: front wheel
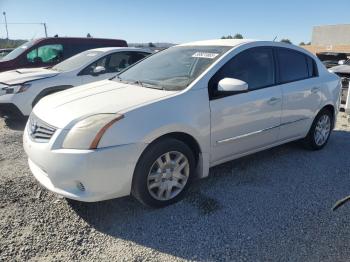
[163, 173]
[320, 131]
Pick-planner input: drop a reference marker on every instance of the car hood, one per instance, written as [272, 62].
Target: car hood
[341, 69]
[104, 96]
[20, 76]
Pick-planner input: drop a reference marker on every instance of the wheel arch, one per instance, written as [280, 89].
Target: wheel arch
[331, 109]
[192, 143]
[49, 91]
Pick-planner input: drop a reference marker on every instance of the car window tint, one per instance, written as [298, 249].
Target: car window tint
[46, 54]
[292, 65]
[254, 66]
[121, 60]
[136, 56]
[311, 66]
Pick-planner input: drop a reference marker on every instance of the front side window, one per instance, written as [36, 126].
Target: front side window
[293, 65]
[46, 54]
[254, 66]
[174, 68]
[89, 70]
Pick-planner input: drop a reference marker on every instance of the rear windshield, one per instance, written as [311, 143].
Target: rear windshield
[77, 61]
[19, 50]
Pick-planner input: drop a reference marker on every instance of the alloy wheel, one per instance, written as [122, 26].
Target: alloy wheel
[168, 176]
[322, 130]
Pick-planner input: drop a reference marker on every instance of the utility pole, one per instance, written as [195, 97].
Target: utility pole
[7, 32]
[44, 24]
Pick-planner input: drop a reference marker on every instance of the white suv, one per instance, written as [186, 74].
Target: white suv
[169, 118]
[21, 89]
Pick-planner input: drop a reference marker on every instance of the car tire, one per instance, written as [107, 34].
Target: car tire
[320, 130]
[163, 173]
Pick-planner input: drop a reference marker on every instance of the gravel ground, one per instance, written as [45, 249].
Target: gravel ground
[274, 205]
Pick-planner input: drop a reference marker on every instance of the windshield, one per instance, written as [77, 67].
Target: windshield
[19, 50]
[174, 68]
[78, 60]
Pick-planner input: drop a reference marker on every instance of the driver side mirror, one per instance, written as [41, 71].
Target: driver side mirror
[232, 85]
[341, 62]
[98, 70]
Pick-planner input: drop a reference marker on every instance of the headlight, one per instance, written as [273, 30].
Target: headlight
[87, 133]
[16, 88]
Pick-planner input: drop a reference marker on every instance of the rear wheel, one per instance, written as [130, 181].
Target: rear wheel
[320, 131]
[163, 173]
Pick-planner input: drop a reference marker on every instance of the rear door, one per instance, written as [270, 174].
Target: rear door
[242, 122]
[301, 90]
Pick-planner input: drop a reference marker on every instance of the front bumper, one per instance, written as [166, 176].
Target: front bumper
[104, 173]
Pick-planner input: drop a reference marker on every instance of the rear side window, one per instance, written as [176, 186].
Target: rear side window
[311, 66]
[294, 65]
[254, 66]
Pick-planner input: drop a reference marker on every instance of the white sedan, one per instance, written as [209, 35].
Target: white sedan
[166, 120]
[21, 89]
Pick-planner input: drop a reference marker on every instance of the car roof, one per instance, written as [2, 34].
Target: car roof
[111, 49]
[219, 42]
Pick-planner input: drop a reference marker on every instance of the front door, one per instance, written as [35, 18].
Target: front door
[242, 122]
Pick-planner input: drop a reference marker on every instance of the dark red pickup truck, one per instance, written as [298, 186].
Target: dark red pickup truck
[45, 52]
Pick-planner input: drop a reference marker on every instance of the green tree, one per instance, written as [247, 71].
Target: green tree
[286, 40]
[88, 35]
[227, 37]
[150, 44]
[238, 36]
[302, 43]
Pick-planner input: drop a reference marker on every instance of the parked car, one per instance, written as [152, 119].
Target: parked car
[21, 89]
[166, 120]
[50, 51]
[330, 59]
[343, 71]
[5, 51]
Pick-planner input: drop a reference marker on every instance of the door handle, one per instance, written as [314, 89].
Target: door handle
[315, 90]
[273, 100]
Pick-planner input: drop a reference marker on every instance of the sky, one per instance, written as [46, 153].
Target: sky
[175, 21]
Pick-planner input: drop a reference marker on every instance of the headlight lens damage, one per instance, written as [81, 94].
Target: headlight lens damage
[87, 133]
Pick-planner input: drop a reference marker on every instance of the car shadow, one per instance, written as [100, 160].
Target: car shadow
[17, 124]
[252, 202]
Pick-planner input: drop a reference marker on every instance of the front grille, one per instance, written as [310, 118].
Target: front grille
[39, 130]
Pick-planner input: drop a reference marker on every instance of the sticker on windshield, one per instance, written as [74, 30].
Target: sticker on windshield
[205, 55]
[91, 54]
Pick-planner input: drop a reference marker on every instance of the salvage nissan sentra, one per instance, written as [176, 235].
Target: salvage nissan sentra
[166, 120]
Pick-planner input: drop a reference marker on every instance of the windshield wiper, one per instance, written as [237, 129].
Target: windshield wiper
[148, 85]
